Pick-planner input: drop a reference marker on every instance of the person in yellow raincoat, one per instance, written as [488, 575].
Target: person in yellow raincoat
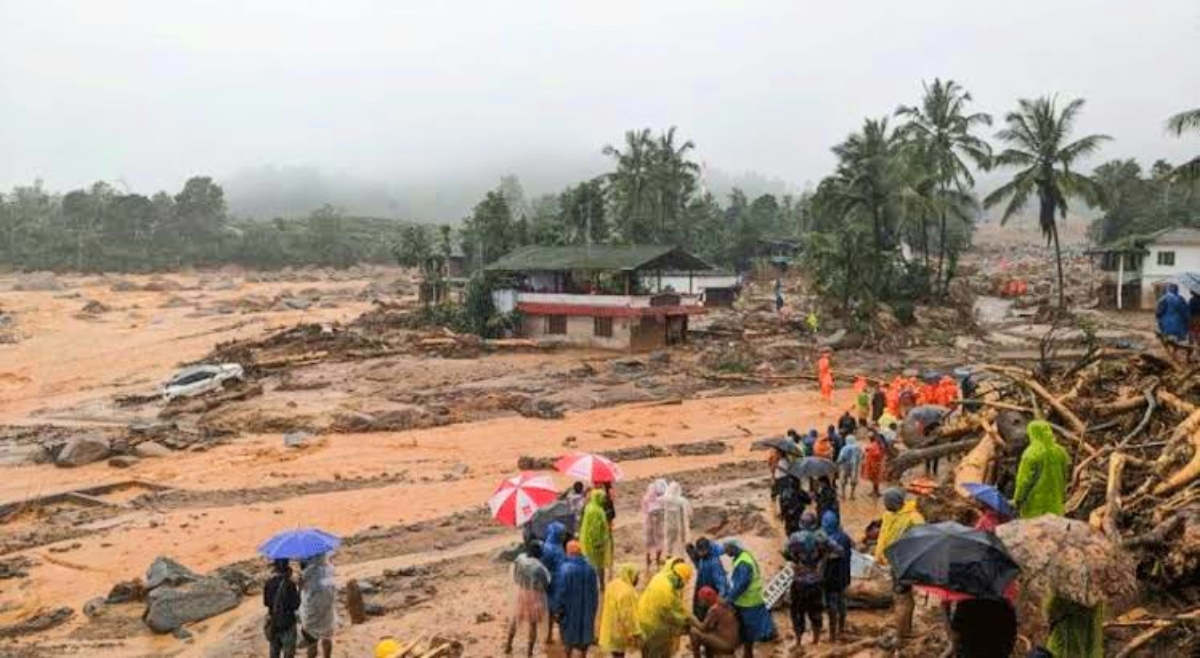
[661, 614]
[898, 517]
[1043, 474]
[595, 535]
[619, 629]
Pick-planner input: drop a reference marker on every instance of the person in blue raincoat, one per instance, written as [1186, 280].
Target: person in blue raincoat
[552, 558]
[746, 595]
[837, 575]
[1173, 314]
[706, 555]
[576, 600]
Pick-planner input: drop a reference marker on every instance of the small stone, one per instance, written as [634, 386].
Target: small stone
[460, 470]
[126, 591]
[296, 439]
[94, 607]
[484, 617]
[123, 461]
[374, 610]
[182, 634]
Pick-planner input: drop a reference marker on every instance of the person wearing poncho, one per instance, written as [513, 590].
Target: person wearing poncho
[1042, 475]
[677, 520]
[661, 614]
[318, 605]
[619, 629]
[553, 556]
[898, 517]
[746, 595]
[531, 582]
[706, 555]
[576, 598]
[595, 535]
[652, 521]
[1077, 630]
[849, 462]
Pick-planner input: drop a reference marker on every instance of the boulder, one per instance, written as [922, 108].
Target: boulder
[126, 591]
[123, 461]
[151, 450]
[165, 571]
[83, 450]
[354, 421]
[169, 608]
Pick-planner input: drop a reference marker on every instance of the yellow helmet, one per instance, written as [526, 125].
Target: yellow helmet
[387, 649]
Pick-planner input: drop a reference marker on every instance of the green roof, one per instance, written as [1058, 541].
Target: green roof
[597, 257]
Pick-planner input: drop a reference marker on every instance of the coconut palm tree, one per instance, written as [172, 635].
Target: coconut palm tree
[870, 178]
[629, 185]
[1037, 135]
[1179, 124]
[674, 177]
[939, 132]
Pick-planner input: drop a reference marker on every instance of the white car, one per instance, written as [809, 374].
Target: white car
[197, 380]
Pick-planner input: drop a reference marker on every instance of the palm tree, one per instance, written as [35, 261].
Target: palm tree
[675, 177]
[1037, 134]
[869, 177]
[939, 134]
[630, 183]
[1179, 124]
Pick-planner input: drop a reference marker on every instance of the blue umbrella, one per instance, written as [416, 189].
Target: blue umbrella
[990, 496]
[299, 544]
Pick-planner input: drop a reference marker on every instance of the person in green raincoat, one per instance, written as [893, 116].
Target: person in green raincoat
[1076, 630]
[595, 536]
[1043, 474]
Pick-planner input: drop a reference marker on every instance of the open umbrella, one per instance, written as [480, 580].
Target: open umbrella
[593, 468]
[780, 443]
[559, 510]
[299, 544]
[990, 496]
[517, 498]
[812, 467]
[1071, 559]
[954, 557]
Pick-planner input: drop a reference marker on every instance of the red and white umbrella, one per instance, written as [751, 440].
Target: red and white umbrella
[593, 468]
[517, 498]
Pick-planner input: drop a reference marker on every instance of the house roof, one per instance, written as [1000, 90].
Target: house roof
[1181, 236]
[597, 257]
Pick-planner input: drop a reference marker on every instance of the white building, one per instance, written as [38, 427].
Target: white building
[1137, 269]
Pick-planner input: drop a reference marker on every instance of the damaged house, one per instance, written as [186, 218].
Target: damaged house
[600, 295]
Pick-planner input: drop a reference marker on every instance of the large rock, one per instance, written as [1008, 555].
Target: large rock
[83, 450]
[151, 450]
[169, 608]
[126, 591]
[165, 571]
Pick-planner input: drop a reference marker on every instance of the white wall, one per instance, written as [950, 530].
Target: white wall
[679, 282]
[1187, 259]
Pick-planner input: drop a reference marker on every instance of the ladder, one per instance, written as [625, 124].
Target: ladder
[778, 587]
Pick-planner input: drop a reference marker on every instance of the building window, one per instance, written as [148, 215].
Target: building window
[556, 324]
[602, 327]
[1166, 258]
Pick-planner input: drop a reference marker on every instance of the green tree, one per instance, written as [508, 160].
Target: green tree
[327, 237]
[1179, 124]
[939, 134]
[630, 186]
[1037, 135]
[870, 179]
[490, 231]
[583, 206]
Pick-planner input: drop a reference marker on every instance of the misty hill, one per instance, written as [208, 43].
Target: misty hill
[446, 196]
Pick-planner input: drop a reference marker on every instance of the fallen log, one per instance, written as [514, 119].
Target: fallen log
[1111, 510]
[1023, 378]
[1157, 535]
[1185, 475]
[911, 458]
[973, 467]
[1161, 626]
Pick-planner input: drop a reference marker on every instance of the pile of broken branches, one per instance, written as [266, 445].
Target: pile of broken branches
[1132, 426]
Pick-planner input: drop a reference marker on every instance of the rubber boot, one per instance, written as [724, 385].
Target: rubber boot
[905, 604]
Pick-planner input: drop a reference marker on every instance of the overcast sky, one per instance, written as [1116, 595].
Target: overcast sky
[155, 91]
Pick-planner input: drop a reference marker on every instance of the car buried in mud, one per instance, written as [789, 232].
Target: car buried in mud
[197, 380]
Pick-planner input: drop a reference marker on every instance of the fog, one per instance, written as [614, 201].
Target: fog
[425, 104]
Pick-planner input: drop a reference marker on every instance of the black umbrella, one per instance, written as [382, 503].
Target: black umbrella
[952, 556]
[779, 443]
[535, 527]
[812, 467]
